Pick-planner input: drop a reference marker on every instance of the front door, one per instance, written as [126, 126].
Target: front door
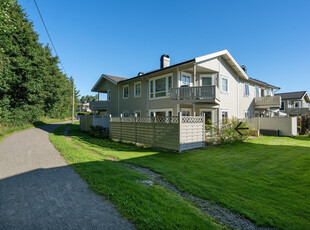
[208, 117]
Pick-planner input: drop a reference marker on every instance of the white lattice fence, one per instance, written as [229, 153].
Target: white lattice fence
[176, 132]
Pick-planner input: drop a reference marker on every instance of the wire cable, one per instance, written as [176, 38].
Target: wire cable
[48, 34]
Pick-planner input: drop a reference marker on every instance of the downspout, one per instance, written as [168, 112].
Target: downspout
[118, 100]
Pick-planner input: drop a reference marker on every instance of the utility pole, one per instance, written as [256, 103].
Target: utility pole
[72, 100]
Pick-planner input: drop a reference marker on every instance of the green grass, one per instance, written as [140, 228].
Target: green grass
[148, 207]
[6, 130]
[266, 179]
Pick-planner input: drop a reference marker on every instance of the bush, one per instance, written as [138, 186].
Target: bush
[227, 133]
[99, 132]
[305, 125]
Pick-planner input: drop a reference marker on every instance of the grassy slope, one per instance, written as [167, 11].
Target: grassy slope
[147, 207]
[266, 179]
[6, 130]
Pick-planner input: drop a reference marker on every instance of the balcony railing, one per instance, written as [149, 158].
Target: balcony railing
[196, 93]
[267, 102]
[98, 105]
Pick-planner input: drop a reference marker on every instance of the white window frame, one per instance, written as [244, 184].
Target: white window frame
[257, 91]
[124, 86]
[187, 75]
[137, 111]
[269, 92]
[223, 77]
[109, 95]
[167, 110]
[203, 110]
[126, 111]
[244, 88]
[246, 113]
[289, 104]
[134, 88]
[221, 115]
[206, 76]
[152, 81]
[186, 110]
[295, 104]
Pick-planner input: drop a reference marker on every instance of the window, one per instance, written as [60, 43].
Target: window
[205, 80]
[138, 113]
[282, 105]
[109, 95]
[268, 92]
[186, 111]
[137, 89]
[224, 117]
[296, 104]
[225, 84]
[186, 80]
[246, 90]
[256, 92]
[246, 114]
[160, 112]
[160, 87]
[125, 91]
[125, 114]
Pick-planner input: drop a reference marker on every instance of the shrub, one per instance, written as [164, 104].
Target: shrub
[99, 132]
[226, 133]
[305, 125]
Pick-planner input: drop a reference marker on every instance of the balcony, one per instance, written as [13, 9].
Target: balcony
[195, 94]
[267, 102]
[98, 105]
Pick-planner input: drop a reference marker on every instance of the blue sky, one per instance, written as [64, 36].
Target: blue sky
[122, 38]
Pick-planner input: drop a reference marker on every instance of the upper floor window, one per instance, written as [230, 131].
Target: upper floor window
[256, 92]
[109, 95]
[125, 91]
[206, 80]
[186, 79]
[296, 104]
[224, 84]
[268, 92]
[160, 87]
[246, 90]
[137, 89]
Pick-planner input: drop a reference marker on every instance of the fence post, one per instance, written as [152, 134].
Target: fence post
[180, 130]
[120, 121]
[154, 132]
[136, 133]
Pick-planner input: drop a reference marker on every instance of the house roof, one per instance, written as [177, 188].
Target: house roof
[224, 54]
[113, 79]
[263, 83]
[293, 95]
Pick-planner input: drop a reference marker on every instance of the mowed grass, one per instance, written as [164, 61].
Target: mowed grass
[147, 207]
[6, 130]
[266, 179]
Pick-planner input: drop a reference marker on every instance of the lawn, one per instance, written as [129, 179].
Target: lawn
[266, 179]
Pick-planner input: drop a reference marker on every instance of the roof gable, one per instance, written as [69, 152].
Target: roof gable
[294, 95]
[110, 78]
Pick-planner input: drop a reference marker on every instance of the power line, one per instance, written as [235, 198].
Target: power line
[48, 34]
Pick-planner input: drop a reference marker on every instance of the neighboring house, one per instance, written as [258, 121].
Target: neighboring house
[83, 107]
[295, 103]
[213, 85]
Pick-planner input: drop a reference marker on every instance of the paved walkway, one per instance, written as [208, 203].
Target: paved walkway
[38, 190]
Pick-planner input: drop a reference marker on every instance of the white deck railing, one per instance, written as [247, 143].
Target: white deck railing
[98, 105]
[268, 101]
[194, 93]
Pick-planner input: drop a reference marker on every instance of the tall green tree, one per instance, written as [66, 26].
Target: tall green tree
[31, 83]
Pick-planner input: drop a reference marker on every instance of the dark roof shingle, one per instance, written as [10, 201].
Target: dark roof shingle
[291, 95]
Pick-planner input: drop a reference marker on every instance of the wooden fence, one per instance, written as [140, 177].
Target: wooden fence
[176, 133]
[86, 121]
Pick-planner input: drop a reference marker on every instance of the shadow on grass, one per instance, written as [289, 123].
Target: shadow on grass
[273, 179]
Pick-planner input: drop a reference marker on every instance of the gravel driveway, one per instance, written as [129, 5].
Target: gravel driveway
[38, 190]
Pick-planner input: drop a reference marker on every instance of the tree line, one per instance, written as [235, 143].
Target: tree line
[31, 83]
